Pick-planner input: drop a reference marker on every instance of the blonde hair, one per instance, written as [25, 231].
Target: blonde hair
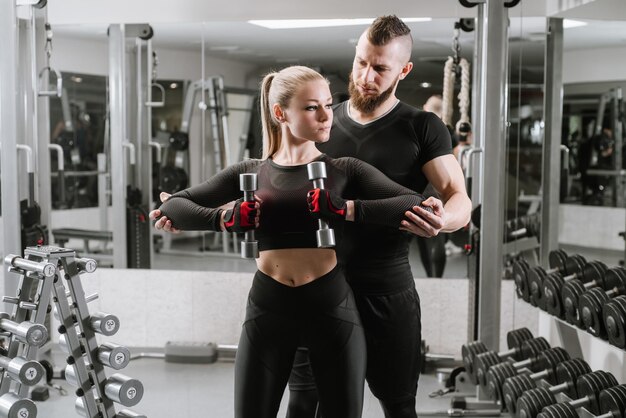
[279, 88]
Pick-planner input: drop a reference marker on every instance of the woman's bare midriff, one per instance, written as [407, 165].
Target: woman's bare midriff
[297, 266]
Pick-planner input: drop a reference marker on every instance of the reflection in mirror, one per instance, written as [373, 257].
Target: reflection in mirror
[593, 131]
[593, 114]
[524, 139]
[77, 122]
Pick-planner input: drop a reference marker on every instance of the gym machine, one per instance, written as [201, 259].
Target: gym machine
[214, 154]
[53, 274]
[609, 141]
[128, 152]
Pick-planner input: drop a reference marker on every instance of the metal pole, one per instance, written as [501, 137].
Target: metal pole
[44, 195]
[553, 115]
[8, 139]
[117, 112]
[494, 62]
[475, 172]
[616, 123]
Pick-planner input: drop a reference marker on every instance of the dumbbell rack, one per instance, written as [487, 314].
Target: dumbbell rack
[568, 329]
[49, 270]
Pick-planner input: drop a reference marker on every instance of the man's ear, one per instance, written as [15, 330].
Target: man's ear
[406, 70]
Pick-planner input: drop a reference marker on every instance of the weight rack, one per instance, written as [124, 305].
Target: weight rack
[49, 272]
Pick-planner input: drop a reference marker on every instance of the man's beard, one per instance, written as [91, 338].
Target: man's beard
[366, 104]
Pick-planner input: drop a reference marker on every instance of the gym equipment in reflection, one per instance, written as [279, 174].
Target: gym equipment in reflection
[596, 170]
[223, 109]
[53, 275]
[128, 155]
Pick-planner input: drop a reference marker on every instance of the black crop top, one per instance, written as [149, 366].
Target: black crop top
[285, 221]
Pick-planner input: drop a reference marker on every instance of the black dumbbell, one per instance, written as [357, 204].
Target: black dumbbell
[614, 315]
[469, 351]
[591, 302]
[521, 268]
[571, 293]
[612, 405]
[515, 229]
[572, 269]
[588, 388]
[520, 275]
[613, 402]
[498, 374]
[528, 351]
[592, 276]
[564, 376]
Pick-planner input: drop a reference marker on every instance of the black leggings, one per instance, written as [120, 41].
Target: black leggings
[320, 316]
[433, 254]
[393, 334]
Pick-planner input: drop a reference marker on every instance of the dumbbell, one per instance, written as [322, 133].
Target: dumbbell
[613, 402]
[612, 405]
[573, 290]
[12, 406]
[520, 276]
[22, 370]
[499, 373]
[17, 262]
[563, 379]
[325, 235]
[101, 322]
[123, 389]
[87, 265]
[27, 332]
[572, 269]
[588, 388]
[469, 351]
[592, 276]
[249, 246]
[521, 268]
[515, 228]
[528, 352]
[614, 315]
[591, 302]
[109, 354]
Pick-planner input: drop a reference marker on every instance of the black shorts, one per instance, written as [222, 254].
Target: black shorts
[320, 316]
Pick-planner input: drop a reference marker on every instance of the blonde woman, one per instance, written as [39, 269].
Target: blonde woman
[299, 297]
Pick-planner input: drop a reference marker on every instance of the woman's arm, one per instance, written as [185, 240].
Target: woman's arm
[198, 207]
[380, 200]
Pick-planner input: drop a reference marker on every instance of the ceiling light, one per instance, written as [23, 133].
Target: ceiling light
[323, 23]
[76, 79]
[425, 85]
[567, 23]
[174, 85]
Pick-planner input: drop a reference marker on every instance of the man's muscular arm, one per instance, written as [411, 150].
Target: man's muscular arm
[450, 213]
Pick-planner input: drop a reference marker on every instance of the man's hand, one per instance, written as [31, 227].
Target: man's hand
[162, 223]
[422, 222]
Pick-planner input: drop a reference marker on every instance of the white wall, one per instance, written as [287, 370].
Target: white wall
[598, 64]
[592, 226]
[156, 306]
[91, 57]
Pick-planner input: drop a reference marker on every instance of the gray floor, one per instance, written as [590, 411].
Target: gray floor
[202, 391]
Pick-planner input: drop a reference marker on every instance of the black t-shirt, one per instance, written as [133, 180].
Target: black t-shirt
[398, 144]
[285, 221]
